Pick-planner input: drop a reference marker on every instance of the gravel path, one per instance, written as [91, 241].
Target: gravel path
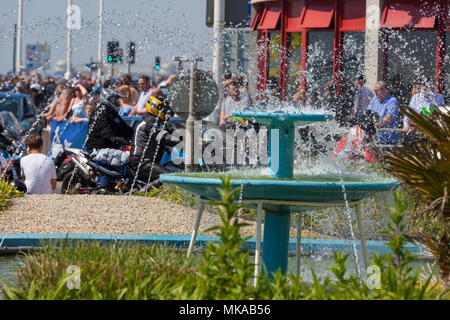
[102, 214]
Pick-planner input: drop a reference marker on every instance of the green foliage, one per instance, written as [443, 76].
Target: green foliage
[7, 192]
[225, 271]
[424, 168]
[107, 272]
[172, 194]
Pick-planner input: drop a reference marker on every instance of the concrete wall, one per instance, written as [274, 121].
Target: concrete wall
[373, 51]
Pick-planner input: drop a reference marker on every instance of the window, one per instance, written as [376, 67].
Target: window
[28, 108]
[10, 104]
[411, 55]
[274, 61]
[319, 62]
[447, 67]
[352, 60]
[294, 71]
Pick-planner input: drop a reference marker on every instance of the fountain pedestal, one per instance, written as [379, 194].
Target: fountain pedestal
[278, 196]
[277, 221]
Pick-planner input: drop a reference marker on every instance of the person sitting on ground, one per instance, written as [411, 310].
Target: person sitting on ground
[37, 170]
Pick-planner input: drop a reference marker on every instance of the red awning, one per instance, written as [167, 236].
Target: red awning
[409, 14]
[353, 15]
[270, 16]
[295, 12]
[319, 14]
[255, 20]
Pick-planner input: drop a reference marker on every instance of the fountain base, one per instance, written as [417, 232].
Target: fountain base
[276, 240]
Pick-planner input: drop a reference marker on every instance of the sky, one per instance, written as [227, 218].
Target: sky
[164, 28]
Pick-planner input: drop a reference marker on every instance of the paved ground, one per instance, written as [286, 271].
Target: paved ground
[106, 214]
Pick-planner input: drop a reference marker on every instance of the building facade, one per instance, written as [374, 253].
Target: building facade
[307, 43]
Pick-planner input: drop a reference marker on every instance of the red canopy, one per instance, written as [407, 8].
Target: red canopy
[409, 14]
[353, 15]
[295, 12]
[270, 16]
[319, 14]
[255, 20]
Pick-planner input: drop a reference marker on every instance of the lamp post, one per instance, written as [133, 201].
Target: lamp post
[219, 23]
[19, 38]
[100, 34]
[14, 48]
[68, 73]
[189, 161]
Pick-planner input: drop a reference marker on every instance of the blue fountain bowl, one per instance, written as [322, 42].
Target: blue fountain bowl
[308, 192]
[278, 119]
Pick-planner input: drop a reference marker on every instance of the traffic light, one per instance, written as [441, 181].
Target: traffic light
[114, 52]
[157, 63]
[131, 52]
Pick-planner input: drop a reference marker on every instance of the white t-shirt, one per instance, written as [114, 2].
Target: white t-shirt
[38, 169]
[143, 98]
[229, 105]
[3, 162]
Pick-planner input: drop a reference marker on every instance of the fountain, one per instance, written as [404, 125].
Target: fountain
[280, 192]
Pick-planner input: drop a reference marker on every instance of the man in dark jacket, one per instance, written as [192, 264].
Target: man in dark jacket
[106, 129]
[150, 138]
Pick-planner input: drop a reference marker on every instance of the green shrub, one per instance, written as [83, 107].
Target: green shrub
[172, 194]
[7, 192]
[225, 271]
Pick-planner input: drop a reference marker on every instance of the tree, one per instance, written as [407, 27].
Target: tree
[425, 168]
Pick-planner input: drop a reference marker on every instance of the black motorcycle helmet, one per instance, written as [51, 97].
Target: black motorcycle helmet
[110, 98]
[368, 121]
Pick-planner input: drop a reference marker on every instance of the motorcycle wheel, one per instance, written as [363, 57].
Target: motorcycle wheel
[65, 168]
[76, 185]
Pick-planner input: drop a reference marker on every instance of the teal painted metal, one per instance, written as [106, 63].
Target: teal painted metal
[276, 240]
[282, 190]
[281, 162]
[15, 240]
[282, 120]
[281, 152]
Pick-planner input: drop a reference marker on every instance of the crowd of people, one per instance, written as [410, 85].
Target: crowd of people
[371, 115]
[80, 100]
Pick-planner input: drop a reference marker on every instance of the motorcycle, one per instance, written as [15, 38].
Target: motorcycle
[79, 173]
[11, 149]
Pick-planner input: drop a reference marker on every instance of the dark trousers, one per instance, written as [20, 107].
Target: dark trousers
[146, 167]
